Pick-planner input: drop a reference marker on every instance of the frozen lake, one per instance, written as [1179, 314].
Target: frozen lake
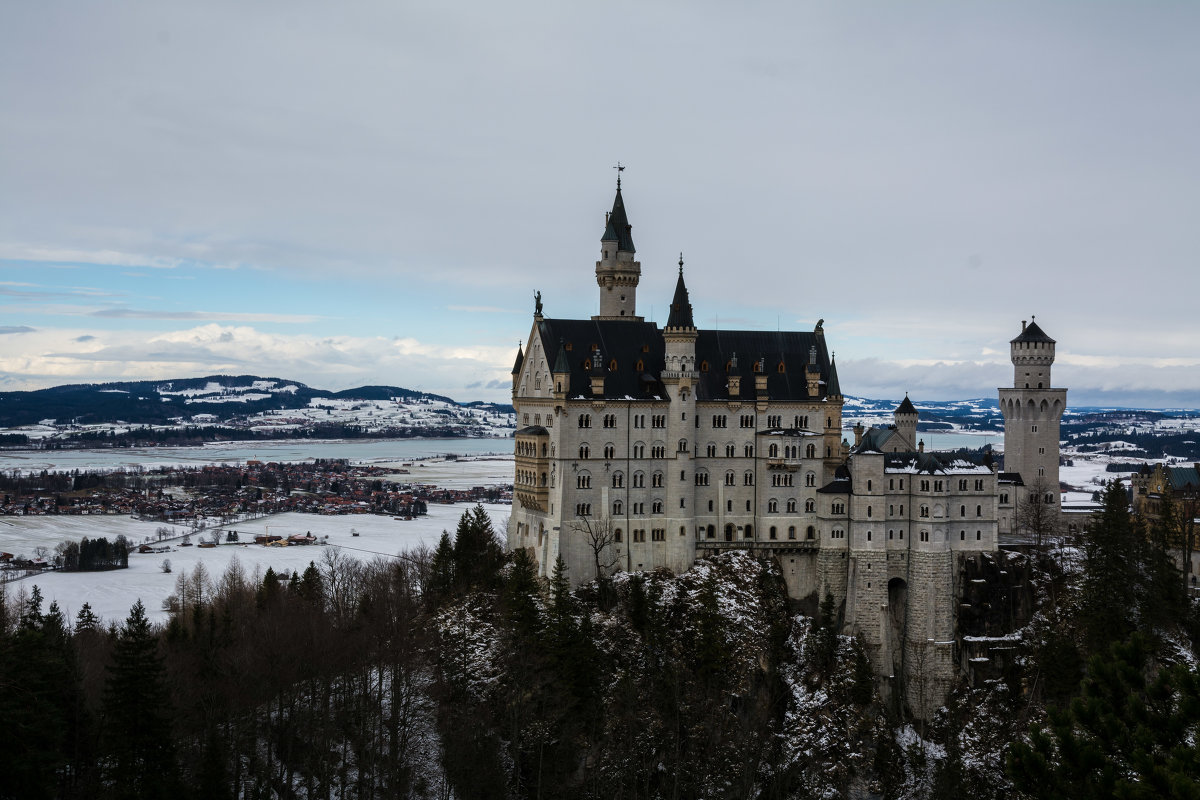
[374, 451]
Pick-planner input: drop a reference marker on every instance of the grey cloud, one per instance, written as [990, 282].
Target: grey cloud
[87, 337]
[4, 329]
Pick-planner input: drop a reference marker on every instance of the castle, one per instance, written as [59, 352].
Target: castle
[639, 448]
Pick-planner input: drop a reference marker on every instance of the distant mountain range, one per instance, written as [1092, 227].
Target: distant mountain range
[252, 407]
[240, 406]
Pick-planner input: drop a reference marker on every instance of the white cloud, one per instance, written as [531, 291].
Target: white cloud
[51, 357]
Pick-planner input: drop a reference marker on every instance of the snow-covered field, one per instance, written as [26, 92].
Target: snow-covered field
[112, 593]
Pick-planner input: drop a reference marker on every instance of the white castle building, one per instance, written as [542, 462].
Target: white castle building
[640, 448]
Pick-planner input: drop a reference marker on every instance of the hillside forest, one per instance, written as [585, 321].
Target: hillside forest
[456, 672]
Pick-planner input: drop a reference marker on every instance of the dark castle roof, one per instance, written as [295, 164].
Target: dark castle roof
[681, 307]
[520, 360]
[618, 228]
[632, 344]
[906, 407]
[1032, 333]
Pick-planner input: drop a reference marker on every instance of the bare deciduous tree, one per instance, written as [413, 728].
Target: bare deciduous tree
[1037, 519]
[600, 536]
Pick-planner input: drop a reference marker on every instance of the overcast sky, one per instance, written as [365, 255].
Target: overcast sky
[371, 192]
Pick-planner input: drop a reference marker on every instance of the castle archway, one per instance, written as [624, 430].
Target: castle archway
[894, 624]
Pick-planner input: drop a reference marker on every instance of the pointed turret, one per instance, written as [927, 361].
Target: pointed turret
[906, 416]
[616, 225]
[832, 387]
[617, 273]
[561, 372]
[680, 334]
[516, 370]
[681, 307]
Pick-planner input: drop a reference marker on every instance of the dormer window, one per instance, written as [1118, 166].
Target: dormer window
[704, 366]
[612, 365]
[640, 366]
[779, 369]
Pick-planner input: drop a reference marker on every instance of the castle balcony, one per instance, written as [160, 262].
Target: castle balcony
[790, 464]
[536, 498]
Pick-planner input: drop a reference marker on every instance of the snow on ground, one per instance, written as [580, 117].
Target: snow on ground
[112, 593]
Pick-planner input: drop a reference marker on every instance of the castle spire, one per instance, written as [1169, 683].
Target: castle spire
[681, 307]
[617, 271]
[617, 228]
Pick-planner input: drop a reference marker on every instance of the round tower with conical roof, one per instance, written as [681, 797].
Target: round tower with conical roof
[617, 271]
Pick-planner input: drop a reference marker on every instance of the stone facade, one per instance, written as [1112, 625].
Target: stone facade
[641, 448]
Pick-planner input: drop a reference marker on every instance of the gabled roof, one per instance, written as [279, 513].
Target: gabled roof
[1186, 479]
[715, 349]
[626, 342]
[618, 228]
[876, 439]
[629, 343]
[681, 308]
[1032, 333]
[933, 462]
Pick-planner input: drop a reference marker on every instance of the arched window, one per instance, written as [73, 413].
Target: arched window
[791, 506]
[609, 451]
[618, 508]
[748, 479]
[584, 451]
[810, 479]
[979, 511]
[617, 536]
[810, 451]
[748, 533]
[683, 446]
[618, 480]
[791, 531]
[772, 507]
[772, 533]
[810, 532]
[810, 505]
[773, 451]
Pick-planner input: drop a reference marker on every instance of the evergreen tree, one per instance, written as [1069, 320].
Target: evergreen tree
[520, 598]
[137, 715]
[477, 553]
[441, 570]
[1130, 734]
[40, 703]
[1108, 608]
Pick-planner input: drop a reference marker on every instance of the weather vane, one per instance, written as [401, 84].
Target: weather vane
[619, 168]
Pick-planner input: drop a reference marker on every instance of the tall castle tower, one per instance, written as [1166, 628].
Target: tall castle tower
[1032, 410]
[617, 273]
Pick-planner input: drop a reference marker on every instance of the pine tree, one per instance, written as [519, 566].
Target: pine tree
[520, 597]
[1130, 734]
[40, 704]
[477, 553]
[137, 715]
[441, 570]
[1108, 608]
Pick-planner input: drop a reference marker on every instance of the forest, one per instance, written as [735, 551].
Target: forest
[457, 672]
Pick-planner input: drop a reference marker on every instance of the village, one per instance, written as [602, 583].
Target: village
[208, 501]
